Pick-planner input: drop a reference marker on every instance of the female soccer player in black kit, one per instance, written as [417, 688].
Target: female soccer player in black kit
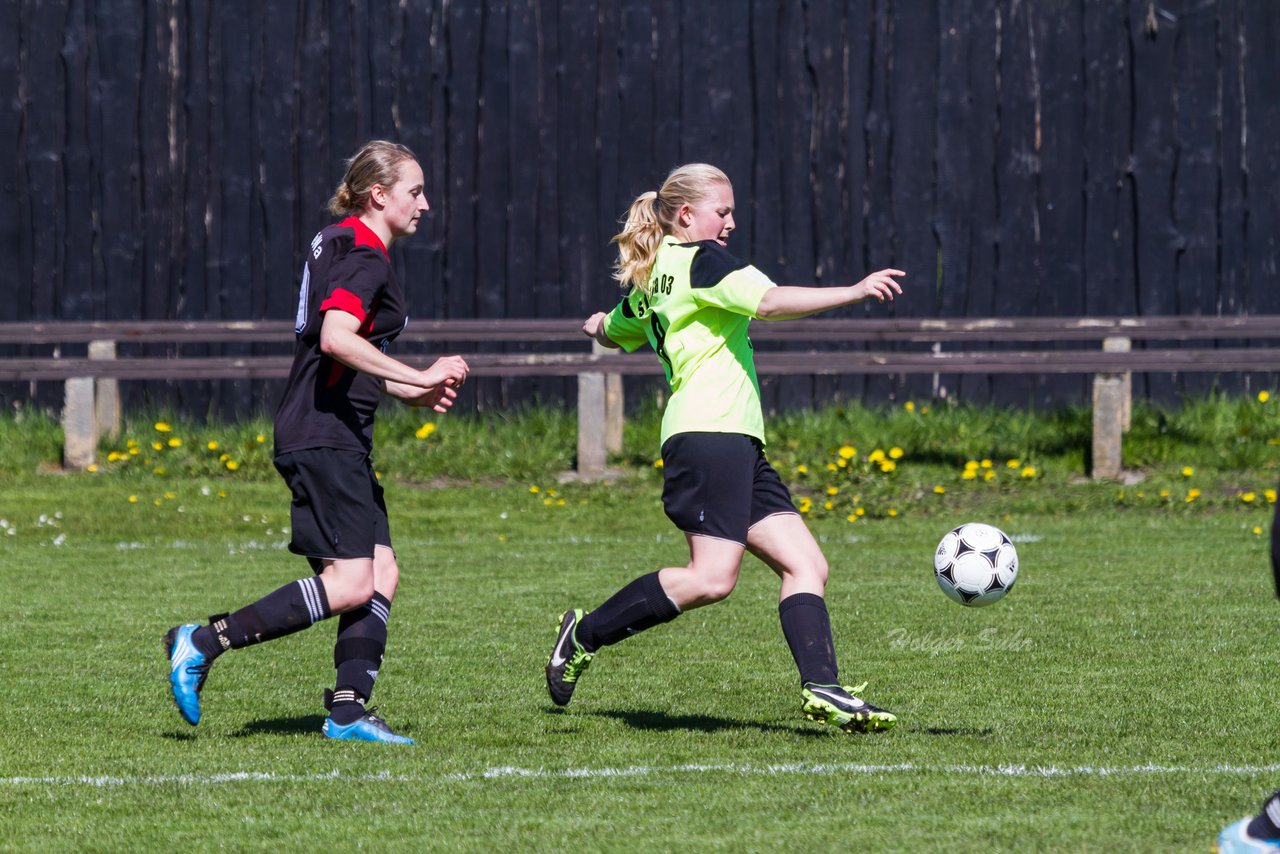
[349, 309]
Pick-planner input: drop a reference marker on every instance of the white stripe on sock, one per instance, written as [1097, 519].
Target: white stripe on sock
[379, 610]
[312, 597]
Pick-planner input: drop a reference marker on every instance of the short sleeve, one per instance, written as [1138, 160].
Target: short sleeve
[356, 281]
[624, 328]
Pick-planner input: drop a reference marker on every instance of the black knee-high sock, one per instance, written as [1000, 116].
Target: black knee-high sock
[282, 612]
[640, 605]
[362, 640]
[807, 628]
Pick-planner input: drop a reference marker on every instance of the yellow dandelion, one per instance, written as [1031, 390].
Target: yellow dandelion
[895, 453]
[156, 502]
[1029, 472]
[1257, 530]
[657, 463]
[833, 490]
[132, 443]
[222, 458]
[991, 475]
[1188, 471]
[548, 501]
[1192, 495]
[1164, 493]
[163, 427]
[888, 466]
[559, 502]
[169, 496]
[802, 469]
[1264, 396]
[939, 489]
[175, 442]
[910, 406]
[1270, 495]
[1013, 463]
[212, 445]
[222, 493]
[971, 465]
[260, 438]
[859, 512]
[534, 490]
[93, 467]
[157, 446]
[969, 474]
[875, 456]
[133, 452]
[232, 465]
[832, 467]
[133, 499]
[842, 463]
[847, 452]
[425, 430]
[851, 518]
[986, 464]
[552, 493]
[892, 512]
[113, 456]
[1248, 497]
[828, 505]
[158, 470]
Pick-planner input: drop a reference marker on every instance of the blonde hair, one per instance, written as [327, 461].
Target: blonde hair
[653, 215]
[377, 162]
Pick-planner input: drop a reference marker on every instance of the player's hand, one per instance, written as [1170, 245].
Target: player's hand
[881, 284]
[591, 328]
[447, 370]
[440, 398]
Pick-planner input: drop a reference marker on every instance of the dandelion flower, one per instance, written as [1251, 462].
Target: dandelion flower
[895, 453]
[986, 464]
[892, 512]
[425, 430]
[163, 427]
[1264, 396]
[939, 489]
[971, 465]
[232, 465]
[852, 517]
[842, 463]
[175, 442]
[1270, 495]
[1188, 471]
[859, 511]
[157, 446]
[1248, 497]
[969, 474]
[1014, 463]
[888, 466]
[211, 445]
[910, 406]
[1192, 495]
[133, 499]
[534, 490]
[93, 467]
[828, 505]
[1257, 530]
[847, 452]
[802, 469]
[1029, 472]
[991, 475]
[833, 490]
[260, 438]
[875, 456]
[657, 463]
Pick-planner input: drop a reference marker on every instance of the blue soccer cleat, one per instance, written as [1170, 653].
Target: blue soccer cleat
[369, 727]
[188, 668]
[1235, 839]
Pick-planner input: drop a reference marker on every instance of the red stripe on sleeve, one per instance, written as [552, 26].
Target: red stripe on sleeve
[343, 300]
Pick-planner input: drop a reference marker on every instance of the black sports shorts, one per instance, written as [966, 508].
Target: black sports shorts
[720, 485]
[338, 511]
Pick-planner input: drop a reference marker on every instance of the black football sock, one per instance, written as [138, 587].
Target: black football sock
[290, 609]
[1266, 825]
[362, 640]
[640, 605]
[807, 628]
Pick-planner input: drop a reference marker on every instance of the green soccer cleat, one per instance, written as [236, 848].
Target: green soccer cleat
[567, 660]
[832, 704]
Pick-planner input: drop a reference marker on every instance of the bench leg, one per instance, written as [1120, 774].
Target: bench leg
[591, 427]
[79, 424]
[1109, 408]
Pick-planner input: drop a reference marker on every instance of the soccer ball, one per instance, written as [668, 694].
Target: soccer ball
[975, 564]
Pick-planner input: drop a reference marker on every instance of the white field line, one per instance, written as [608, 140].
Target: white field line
[739, 769]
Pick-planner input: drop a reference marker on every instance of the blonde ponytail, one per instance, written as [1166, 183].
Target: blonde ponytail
[653, 216]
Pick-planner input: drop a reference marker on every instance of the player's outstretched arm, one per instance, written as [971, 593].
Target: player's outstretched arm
[341, 340]
[788, 302]
[594, 328]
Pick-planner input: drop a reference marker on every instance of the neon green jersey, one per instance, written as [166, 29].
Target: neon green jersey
[696, 321]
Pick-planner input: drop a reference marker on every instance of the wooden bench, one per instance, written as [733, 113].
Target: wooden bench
[927, 346]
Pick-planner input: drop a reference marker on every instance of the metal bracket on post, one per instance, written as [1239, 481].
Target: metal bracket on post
[1112, 404]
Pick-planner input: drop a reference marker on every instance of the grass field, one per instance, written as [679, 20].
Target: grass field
[1122, 698]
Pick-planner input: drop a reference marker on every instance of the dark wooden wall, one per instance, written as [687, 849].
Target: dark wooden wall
[171, 158]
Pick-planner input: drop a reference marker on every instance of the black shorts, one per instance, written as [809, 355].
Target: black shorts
[338, 511]
[720, 485]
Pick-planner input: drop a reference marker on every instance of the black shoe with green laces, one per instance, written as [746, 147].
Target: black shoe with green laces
[836, 705]
[567, 660]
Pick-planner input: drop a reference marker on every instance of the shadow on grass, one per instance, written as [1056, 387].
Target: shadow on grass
[663, 722]
[297, 725]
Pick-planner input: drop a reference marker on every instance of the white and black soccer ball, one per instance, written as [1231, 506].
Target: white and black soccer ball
[975, 564]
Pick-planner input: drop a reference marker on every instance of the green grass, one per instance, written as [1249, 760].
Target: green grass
[1130, 676]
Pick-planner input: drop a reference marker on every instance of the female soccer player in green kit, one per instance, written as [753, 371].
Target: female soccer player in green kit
[691, 301]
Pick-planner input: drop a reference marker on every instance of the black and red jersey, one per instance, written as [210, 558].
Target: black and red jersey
[326, 404]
